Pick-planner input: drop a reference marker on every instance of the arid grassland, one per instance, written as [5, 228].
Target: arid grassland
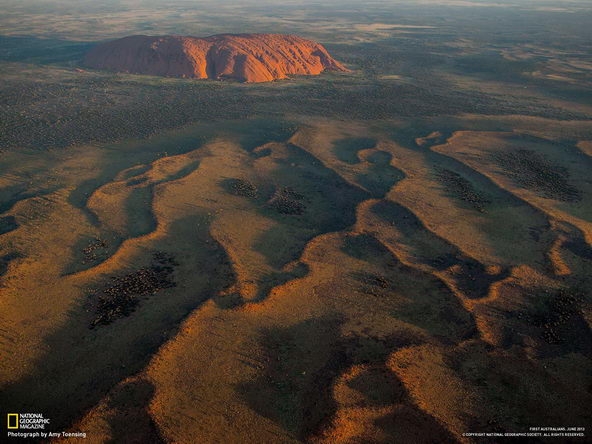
[397, 254]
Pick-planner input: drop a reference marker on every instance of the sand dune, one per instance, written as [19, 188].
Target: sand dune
[331, 286]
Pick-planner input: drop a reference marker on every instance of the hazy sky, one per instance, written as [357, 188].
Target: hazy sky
[105, 19]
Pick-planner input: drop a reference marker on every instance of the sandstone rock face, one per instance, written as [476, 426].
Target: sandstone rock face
[242, 57]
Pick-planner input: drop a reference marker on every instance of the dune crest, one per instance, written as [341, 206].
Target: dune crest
[244, 57]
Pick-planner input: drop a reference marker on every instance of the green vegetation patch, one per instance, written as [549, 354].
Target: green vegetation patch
[462, 189]
[534, 171]
[287, 201]
[240, 187]
[121, 298]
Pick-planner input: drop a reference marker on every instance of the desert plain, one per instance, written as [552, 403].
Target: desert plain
[398, 253]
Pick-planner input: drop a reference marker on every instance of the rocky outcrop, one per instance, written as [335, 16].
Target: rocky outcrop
[242, 57]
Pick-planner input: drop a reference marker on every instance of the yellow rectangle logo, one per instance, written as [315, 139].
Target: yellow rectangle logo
[13, 421]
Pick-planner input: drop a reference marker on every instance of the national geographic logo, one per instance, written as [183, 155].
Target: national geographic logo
[12, 422]
[32, 425]
[28, 421]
